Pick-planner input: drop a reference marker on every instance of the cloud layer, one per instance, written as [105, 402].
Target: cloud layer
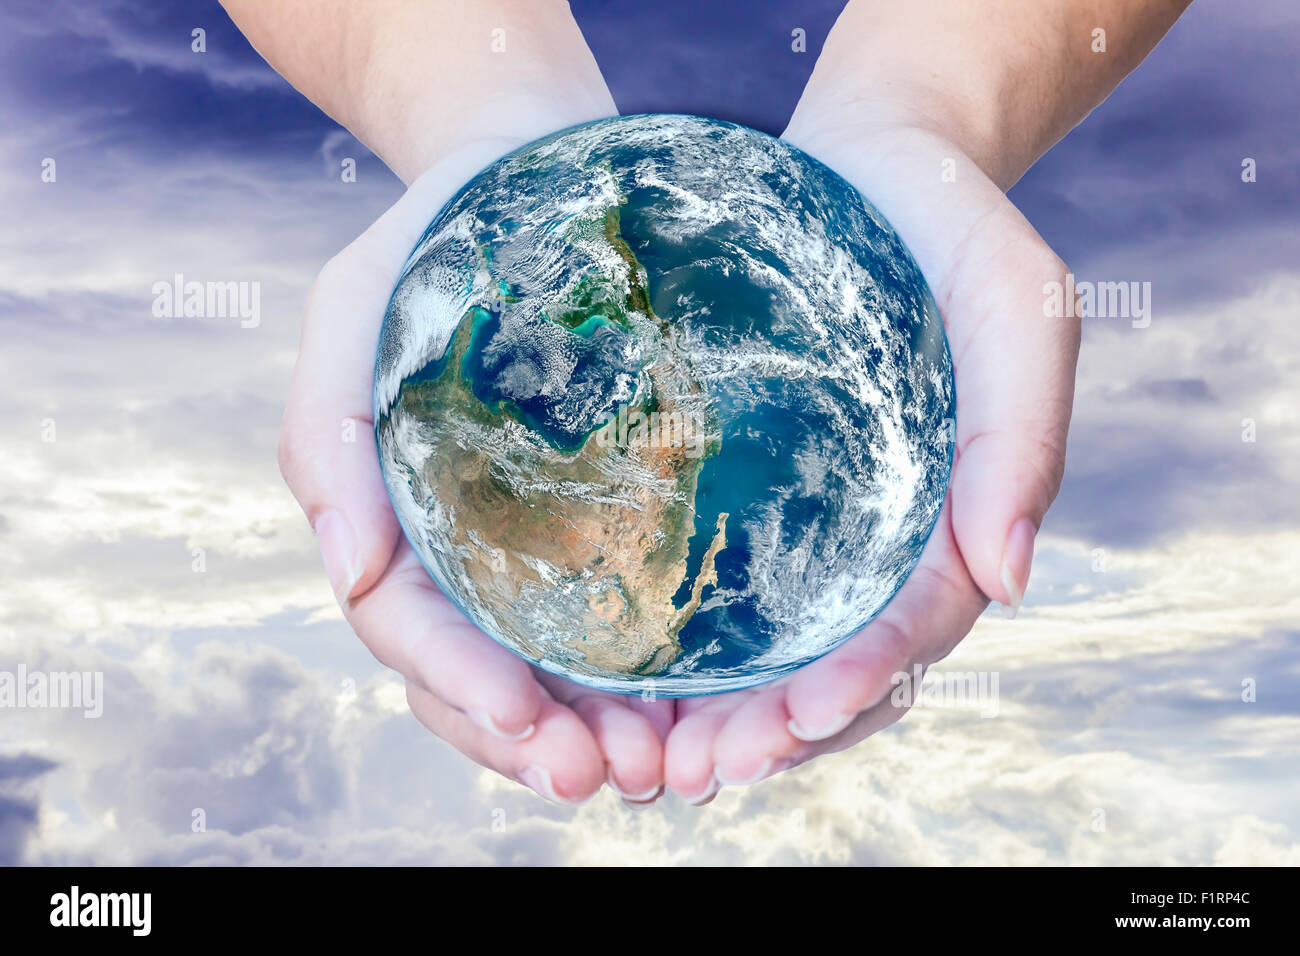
[1149, 705]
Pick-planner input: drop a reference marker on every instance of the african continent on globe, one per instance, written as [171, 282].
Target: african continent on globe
[663, 403]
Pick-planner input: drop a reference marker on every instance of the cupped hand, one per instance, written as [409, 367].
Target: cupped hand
[1014, 371]
[559, 738]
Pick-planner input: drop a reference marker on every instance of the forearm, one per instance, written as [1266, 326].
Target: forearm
[1002, 79]
[417, 79]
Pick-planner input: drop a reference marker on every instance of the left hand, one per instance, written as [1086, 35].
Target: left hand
[559, 738]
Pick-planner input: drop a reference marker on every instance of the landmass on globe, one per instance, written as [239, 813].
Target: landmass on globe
[535, 507]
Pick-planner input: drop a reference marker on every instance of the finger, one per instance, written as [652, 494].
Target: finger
[327, 449]
[866, 723]
[630, 744]
[688, 752]
[412, 627]
[755, 742]
[1015, 382]
[628, 739]
[661, 712]
[560, 762]
[933, 610]
[991, 274]
[870, 721]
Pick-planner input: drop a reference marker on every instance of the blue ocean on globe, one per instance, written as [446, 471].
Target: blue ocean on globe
[664, 405]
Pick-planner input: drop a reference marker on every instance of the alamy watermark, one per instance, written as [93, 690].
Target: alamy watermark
[63, 690]
[958, 690]
[131, 911]
[208, 300]
[1098, 300]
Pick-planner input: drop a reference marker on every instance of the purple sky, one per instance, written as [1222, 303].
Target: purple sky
[1165, 575]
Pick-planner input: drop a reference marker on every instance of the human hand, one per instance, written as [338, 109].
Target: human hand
[457, 677]
[1014, 373]
[932, 110]
[420, 85]
[559, 738]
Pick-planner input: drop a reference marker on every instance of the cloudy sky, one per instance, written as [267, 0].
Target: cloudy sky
[134, 449]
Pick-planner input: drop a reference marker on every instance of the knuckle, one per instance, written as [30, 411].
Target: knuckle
[291, 450]
[334, 276]
[1043, 448]
[894, 642]
[331, 273]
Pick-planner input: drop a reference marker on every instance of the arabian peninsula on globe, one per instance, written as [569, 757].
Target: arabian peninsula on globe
[663, 404]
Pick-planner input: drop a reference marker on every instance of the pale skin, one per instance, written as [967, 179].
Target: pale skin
[932, 109]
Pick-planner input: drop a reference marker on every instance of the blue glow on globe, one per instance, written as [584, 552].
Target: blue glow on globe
[664, 404]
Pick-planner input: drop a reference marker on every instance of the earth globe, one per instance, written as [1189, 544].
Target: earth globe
[664, 405]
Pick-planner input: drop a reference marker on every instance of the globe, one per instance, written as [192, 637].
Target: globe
[664, 405]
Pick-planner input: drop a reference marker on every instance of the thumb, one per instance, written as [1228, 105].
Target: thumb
[1015, 368]
[1013, 365]
[327, 441]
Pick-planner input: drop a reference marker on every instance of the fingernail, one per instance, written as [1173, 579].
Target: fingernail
[538, 779]
[708, 793]
[632, 797]
[1017, 556]
[338, 547]
[821, 733]
[483, 719]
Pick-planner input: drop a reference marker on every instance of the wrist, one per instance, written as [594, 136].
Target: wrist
[1000, 79]
[976, 107]
[417, 79]
[433, 83]
[412, 127]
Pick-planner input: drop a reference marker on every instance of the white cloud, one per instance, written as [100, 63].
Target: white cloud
[1121, 688]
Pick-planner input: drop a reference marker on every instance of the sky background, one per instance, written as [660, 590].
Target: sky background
[240, 691]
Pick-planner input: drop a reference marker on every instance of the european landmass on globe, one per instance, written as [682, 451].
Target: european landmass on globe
[662, 401]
